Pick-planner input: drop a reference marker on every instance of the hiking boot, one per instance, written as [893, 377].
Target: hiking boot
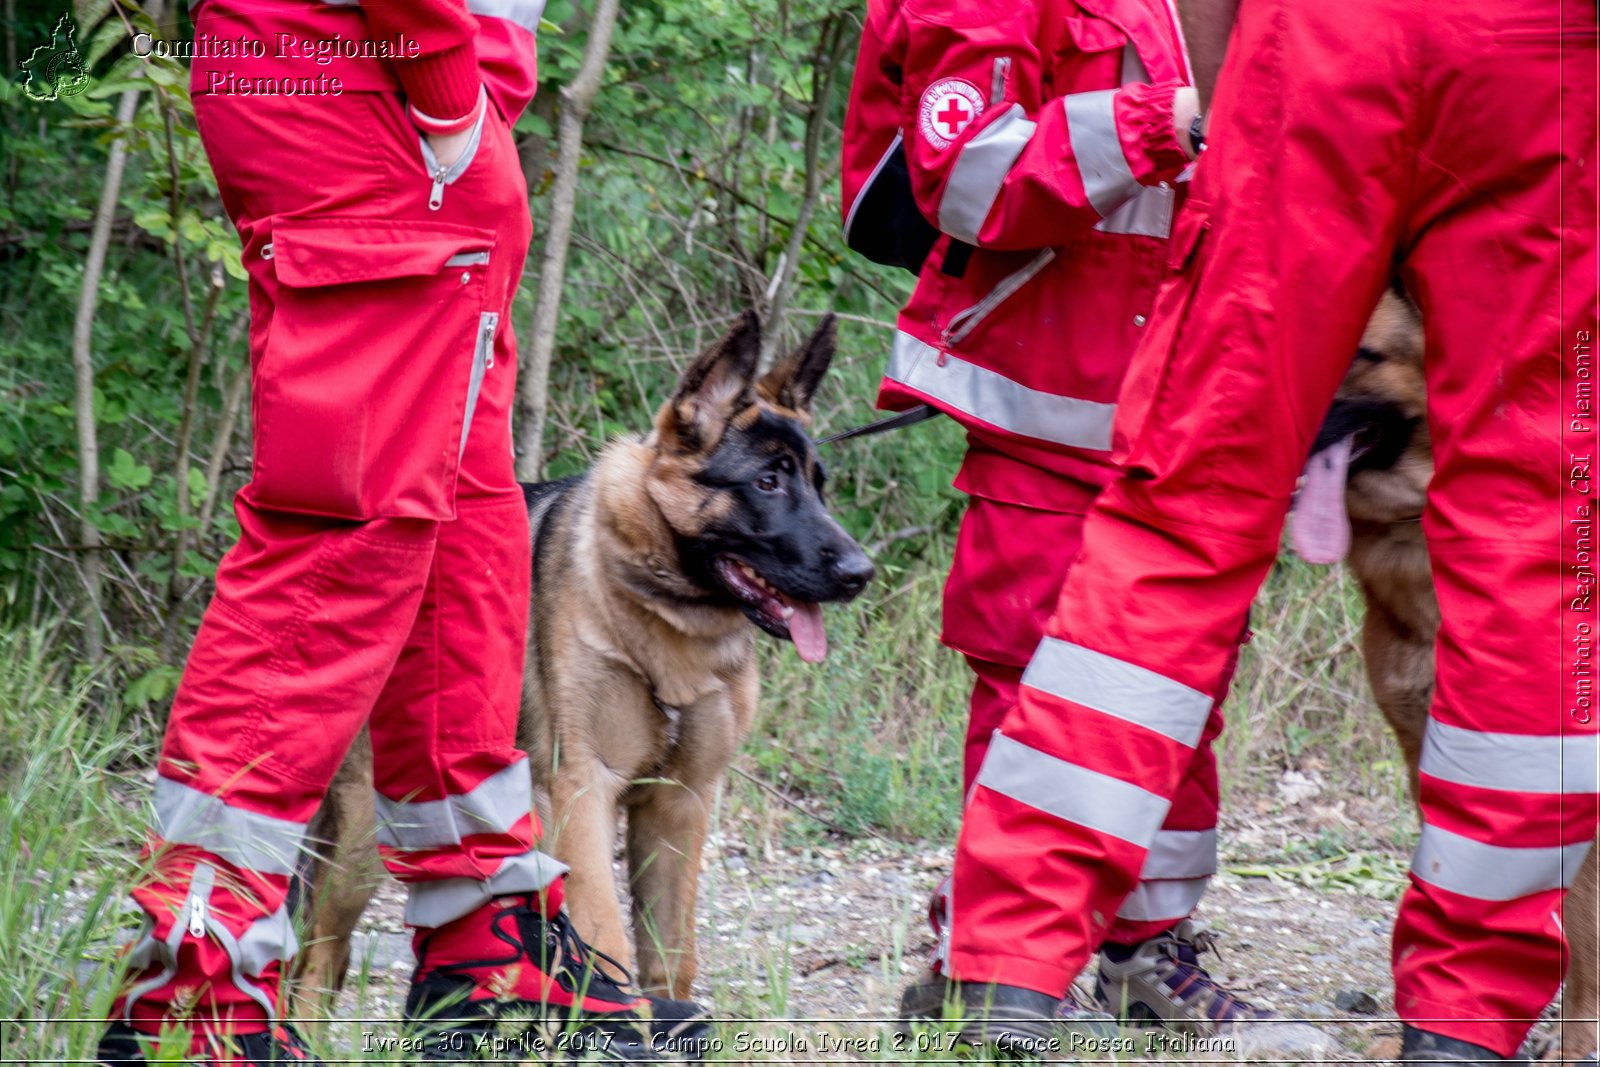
[1160, 982]
[509, 961]
[1008, 1019]
[1422, 1046]
[276, 1047]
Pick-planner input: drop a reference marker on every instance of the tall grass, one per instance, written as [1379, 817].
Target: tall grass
[69, 825]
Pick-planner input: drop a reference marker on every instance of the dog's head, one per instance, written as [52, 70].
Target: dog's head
[1372, 458]
[738, 480]
[1382, 401]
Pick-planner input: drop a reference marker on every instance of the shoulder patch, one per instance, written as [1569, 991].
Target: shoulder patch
[948, 105]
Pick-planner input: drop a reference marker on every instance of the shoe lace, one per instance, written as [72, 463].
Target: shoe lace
[1189, 980]
[564, 951]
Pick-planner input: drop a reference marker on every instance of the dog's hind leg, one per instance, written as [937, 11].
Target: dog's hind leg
[666, 832]
[344, 872]
[1399, 662]
[1580, 1003]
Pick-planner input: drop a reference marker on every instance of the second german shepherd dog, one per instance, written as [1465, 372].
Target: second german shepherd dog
[641, 675]
[1381, 407]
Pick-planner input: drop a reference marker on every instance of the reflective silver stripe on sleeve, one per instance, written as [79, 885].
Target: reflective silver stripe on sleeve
[1159, 901]
[1092, 129]
[1076, 794]
[999, 401]
[261, 843]
[436, 903]
[1107, 684]
[861, 194]
[1181, 854]
[979, 172]
[1148, 213]
[1493, 872]
[525, 13]
[494, 806]
[1516, 763]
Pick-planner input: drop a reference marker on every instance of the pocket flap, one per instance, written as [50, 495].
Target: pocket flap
[342, 251]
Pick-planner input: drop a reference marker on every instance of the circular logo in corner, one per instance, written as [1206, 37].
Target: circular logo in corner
[948, 105]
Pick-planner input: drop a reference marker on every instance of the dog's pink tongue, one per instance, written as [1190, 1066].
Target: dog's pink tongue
[1319, 528]
[807, 633]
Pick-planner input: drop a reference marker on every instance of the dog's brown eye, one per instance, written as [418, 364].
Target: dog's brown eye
[767, 483]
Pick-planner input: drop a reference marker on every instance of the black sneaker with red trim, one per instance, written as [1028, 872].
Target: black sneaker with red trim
[510, 982]
[277, 1047]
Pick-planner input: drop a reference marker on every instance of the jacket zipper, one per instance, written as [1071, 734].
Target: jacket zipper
[442, 175]
[964, 322]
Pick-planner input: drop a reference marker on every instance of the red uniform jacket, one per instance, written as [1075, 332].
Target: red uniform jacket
[438, 52]
[1038, 139]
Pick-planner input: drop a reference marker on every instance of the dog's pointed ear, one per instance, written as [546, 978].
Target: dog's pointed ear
[793, 381]
[719, 383]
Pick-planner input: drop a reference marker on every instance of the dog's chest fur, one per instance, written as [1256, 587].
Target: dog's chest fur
[649, 686]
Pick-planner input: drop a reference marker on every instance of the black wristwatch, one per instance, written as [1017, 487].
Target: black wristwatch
[1197, 134]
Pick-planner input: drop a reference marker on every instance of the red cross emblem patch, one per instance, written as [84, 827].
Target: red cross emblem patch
[948, 105]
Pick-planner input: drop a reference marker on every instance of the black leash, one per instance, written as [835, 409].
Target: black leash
[910, 417]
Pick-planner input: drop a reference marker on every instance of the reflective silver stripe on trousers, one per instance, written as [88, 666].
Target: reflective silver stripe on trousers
[979, 172]
[1516, 763]
[1181, 854]
[999, 401]
[1076, 794]
[1493, 872]
[1092, 129]
[494, 806]
[525, 13]
[1107, 684]
[436, 903]
[1162, 900]
[261, 843]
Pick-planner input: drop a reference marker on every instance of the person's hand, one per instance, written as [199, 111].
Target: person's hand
[447, 147]
[1185, 106]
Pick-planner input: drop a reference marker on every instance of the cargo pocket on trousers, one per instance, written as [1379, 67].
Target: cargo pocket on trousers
[1138, 425]
[373, 360]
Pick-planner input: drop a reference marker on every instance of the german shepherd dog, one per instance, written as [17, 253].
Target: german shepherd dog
[1378, 431]
[652, 573]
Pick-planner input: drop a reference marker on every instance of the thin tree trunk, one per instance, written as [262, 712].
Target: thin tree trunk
[824, 64]
[223, 441]
[83, 381]
[576, 100]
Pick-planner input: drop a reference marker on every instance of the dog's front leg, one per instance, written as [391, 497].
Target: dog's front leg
[584, 796]
[666, 831]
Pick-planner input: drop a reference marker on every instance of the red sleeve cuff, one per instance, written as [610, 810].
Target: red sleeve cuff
[1148, 120]
[443, 86]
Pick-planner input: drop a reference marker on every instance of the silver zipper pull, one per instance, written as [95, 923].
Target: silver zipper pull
[488, 343]
[197, 915]
[997, 82]
[436, 197]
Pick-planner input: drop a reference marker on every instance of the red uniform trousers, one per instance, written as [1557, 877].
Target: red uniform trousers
[1456, 142]
[381, 575]
[1009, 562]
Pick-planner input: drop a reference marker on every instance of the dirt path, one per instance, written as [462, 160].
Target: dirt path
[832, 933]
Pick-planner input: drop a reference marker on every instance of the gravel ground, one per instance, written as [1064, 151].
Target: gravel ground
[825, 937]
